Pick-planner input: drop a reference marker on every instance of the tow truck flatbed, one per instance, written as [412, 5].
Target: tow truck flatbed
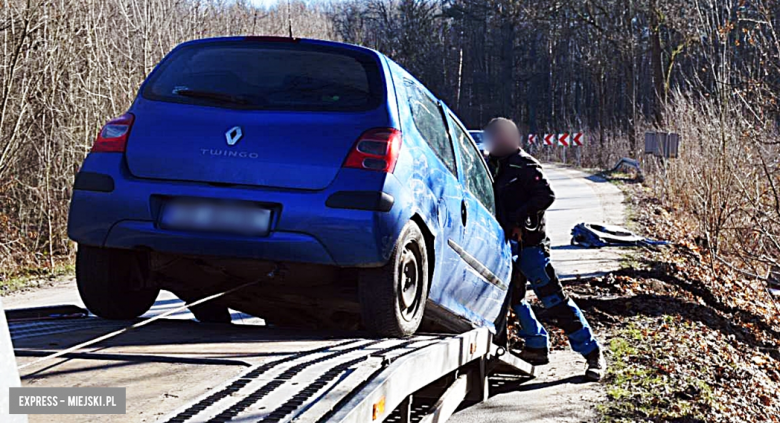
[278, 375]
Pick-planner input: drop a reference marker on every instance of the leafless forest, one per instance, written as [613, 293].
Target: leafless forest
[708, 69]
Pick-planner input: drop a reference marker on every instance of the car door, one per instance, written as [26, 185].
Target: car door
[422, 113]
[484, 248]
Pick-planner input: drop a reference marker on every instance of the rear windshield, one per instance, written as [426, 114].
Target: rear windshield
[264, 76]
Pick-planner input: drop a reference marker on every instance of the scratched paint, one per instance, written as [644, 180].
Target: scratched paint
[437, 192]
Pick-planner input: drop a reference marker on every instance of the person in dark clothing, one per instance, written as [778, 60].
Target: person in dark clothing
[523, 194]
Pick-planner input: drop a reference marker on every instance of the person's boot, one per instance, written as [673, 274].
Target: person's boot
[535, 356]
[597, 366]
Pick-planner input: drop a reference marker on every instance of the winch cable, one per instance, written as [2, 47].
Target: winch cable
[276, 272]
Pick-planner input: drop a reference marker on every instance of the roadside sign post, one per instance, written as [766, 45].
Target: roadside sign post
[662, 144]
[577, 141]
[548, 142]
[563, 141]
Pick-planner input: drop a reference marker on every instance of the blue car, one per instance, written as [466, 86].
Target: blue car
[478, 136]
[321, 174]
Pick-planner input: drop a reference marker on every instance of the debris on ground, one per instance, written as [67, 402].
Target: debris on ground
[596, 235]
[631, 165]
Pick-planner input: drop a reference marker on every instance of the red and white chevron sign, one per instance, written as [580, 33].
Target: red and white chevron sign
[577, 139]
[549, 139]
[531, 138]
[563, 139]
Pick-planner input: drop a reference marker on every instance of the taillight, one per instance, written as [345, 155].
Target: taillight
[377, 149]
[112, 138]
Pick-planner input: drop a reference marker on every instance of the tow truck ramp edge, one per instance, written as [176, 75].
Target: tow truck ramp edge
[467, 359]
[359, 380]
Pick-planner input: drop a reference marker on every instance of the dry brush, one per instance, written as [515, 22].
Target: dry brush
[67, 67]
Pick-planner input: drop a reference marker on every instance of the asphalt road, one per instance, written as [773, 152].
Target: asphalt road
[558, 394]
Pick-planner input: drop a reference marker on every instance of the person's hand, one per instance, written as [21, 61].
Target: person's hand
[517, 234]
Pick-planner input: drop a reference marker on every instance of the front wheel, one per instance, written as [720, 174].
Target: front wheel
[111, 284]
[393, 297]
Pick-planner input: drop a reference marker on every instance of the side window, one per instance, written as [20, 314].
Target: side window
[475, 170]
[430, 123]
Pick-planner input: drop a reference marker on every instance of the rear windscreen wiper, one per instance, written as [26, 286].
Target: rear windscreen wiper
[212, 95]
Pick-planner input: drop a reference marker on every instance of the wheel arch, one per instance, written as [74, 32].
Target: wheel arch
[430, 246]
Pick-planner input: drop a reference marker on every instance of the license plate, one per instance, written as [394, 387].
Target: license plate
[234, 218]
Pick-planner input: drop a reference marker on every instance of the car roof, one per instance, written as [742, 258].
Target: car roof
[273, 38]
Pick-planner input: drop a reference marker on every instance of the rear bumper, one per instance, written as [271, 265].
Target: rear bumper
[279, 246]
[304, 228]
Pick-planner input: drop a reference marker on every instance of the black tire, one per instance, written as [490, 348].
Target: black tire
[211, 313]
[393, 297]
[208, 312]
[110, 282]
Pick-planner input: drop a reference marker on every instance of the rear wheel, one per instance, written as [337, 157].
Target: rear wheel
[111, 282]
[393, 297]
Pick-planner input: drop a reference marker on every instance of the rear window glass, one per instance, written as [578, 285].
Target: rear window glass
[256, 75]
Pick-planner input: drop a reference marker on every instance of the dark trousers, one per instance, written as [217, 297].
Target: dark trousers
[535, 265]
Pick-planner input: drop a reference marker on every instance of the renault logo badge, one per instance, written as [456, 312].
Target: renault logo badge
[233, 135]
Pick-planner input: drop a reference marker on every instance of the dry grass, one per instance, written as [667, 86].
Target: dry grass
[725, 181]
[67, 67]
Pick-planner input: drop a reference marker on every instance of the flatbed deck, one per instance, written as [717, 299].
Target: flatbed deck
[242, 373]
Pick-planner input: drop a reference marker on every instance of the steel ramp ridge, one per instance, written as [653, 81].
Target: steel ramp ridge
[280, 390]
[353, 378]
[471, 353]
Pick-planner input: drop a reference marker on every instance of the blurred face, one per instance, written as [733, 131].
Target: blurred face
[502, 138]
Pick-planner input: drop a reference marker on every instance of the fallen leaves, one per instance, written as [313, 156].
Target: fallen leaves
[691, 339]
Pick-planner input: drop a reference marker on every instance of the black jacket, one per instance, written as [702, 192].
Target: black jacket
[522, 195]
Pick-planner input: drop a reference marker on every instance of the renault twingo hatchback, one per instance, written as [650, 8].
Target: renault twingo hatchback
[324, 163]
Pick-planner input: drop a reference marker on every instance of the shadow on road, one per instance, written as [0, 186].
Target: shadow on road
[506, 386]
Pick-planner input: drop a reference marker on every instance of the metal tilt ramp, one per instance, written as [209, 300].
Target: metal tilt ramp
[343, 379]
[361, 381]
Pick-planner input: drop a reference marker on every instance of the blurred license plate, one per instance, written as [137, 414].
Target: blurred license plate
[235, 218]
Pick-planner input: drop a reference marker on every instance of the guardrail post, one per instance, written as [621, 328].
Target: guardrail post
[9, 374]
